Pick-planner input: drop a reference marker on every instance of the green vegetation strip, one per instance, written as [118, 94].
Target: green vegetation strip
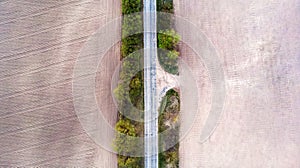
[130, 78]
[167, 39]
[130, 88]
[169, 119]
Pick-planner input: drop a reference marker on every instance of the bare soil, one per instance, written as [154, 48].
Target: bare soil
[39, 43]
[258, 44]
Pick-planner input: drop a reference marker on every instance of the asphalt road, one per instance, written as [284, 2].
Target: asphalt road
[151, 114]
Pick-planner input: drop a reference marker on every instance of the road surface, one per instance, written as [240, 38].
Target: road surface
[151, 113]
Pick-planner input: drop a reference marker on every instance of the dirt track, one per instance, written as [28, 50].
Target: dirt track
[39, 42]
[258, 44]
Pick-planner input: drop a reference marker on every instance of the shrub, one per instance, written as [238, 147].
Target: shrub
[131, 6]
[129, 162]
[168, 39]
[165, 6]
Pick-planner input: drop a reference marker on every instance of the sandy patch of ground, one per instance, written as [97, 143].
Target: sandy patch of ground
[164, 82]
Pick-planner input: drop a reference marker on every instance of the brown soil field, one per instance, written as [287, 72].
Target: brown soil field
[39, 43]
[258, 45]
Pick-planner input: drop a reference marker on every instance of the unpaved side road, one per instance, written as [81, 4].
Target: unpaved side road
[258, 43]
[39, 43]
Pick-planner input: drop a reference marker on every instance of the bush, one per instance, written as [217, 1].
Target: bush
[126, 127]
[132, 24]
[168, 39]
[169, 61]
[125, 142]
[165, 6]
[136, 91]
[129, 162]
[131, 6]
[131, 44]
